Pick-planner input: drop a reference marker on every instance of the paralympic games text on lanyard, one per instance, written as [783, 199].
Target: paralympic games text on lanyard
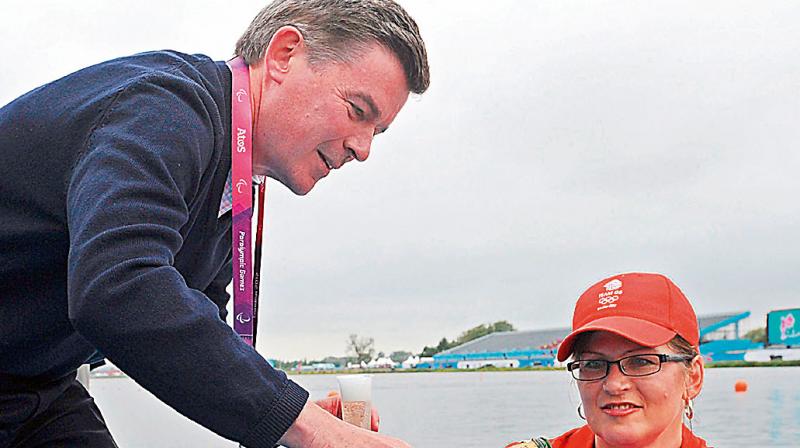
[245, 273]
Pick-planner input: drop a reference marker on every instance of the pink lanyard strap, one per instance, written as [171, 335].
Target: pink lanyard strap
[257, 265]
[245, 286]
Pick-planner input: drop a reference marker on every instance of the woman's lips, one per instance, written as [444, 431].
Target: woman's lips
[619, 409]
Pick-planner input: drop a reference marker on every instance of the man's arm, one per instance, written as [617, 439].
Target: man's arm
[128, 200]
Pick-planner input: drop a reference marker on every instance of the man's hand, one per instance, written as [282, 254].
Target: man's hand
[316, 427]
[333, 404]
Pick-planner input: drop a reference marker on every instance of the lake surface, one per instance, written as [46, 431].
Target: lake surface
[484, 409]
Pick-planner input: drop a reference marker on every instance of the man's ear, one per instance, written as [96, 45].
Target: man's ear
[287, 43]
[694, 377]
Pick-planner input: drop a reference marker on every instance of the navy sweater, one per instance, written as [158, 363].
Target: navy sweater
[110, 241]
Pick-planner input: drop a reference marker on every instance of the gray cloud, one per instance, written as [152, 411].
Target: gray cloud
[560, 142]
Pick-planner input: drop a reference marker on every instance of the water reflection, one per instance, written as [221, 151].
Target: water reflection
[486, 409]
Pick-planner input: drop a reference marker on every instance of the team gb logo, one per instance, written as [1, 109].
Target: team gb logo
[613, 284]
[606, 299]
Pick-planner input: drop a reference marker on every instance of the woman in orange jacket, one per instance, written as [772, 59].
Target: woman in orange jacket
[634, 349]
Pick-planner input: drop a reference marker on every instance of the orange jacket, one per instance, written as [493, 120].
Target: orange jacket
[583, 437]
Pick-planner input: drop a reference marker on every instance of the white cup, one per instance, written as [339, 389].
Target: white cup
[356, 399]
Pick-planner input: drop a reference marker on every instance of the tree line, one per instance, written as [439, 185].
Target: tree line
[362, 349]
[467, 336]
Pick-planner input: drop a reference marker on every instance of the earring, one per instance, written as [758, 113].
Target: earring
[580, 411]
[689, 410]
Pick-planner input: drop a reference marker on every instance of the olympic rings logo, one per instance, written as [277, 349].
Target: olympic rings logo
[608, 300]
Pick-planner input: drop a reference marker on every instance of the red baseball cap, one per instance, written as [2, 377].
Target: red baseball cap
[647, 309]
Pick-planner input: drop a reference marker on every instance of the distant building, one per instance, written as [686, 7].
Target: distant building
[773, 354]
[381, 363]
[720, 340]
[318, 367]
[783, 337]
[504, 349]
[414, 361]
[723, 326]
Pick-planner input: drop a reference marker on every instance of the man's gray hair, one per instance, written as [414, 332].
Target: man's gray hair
[338, 30]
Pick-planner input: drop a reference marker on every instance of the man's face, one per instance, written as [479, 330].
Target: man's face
[319, 118]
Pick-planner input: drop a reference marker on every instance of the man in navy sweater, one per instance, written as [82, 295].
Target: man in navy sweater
[115, 234]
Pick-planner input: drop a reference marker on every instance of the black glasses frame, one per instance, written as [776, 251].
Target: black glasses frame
[662, 358]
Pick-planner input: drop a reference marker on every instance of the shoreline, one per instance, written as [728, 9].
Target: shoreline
[711, 365]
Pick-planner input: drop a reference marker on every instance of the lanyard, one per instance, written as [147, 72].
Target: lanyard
[245, 273]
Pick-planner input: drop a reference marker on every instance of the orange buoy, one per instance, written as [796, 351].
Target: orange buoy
[741, 386]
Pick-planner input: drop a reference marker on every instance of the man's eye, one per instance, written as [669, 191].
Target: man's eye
[359, 112]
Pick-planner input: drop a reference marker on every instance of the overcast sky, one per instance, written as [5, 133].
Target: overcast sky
[560, 142]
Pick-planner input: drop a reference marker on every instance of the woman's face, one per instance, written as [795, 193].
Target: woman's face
[628, 411]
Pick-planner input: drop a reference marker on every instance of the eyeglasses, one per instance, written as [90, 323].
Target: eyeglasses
[636, 365]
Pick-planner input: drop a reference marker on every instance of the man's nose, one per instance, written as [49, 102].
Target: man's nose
[359, 146]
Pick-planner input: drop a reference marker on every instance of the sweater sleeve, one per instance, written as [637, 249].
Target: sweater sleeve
[128, 199]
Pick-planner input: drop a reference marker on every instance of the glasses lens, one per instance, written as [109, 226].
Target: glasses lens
[590, 370]
[641, 365]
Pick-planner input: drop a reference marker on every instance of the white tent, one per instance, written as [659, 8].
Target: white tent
[381, 363]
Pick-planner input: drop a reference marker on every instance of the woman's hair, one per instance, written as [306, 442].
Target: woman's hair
[682, 347]
[678, 344]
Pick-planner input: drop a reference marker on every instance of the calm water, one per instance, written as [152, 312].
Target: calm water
[486, 410]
